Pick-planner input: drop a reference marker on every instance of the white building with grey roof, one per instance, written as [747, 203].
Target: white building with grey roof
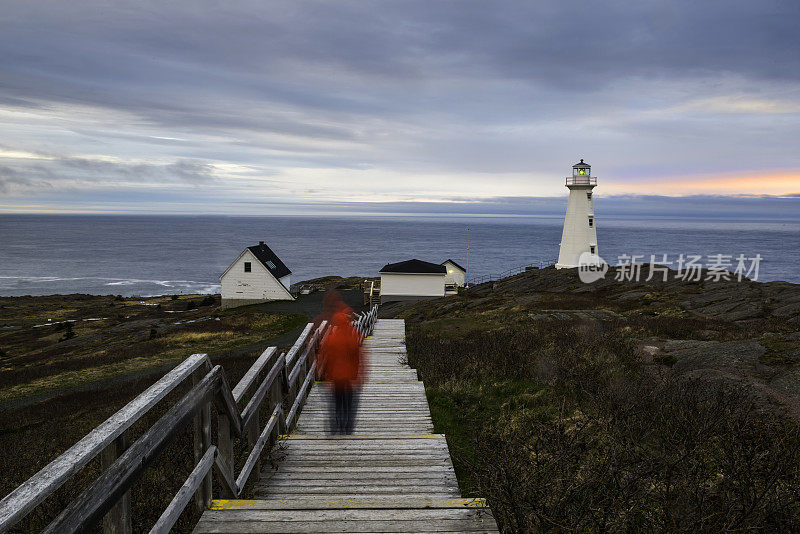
[412, 280]
[257, 275]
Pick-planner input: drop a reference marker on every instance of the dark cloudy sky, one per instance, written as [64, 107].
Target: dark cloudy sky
[287, 107]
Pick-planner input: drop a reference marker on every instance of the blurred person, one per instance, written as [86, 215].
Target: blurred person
[332, 303]
[341, 364]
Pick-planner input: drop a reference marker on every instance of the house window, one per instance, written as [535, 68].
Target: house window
[591, 222]
[591, 249]
[247, 267]
[589, 195]
[270, 265]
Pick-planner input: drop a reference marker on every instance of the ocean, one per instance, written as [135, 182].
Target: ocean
[154, 255]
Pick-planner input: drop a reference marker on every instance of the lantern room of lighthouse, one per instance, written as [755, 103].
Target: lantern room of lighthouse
[580, 230]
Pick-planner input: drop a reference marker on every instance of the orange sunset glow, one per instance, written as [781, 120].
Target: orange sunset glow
[776, 183]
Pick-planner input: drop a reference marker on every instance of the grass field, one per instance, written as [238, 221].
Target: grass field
[61, 379]
[611, 410]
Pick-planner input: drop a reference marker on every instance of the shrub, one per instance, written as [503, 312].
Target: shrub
[69, 332]
[613, 446]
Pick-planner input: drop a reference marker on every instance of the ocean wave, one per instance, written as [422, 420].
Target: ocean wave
[103, 285]
[45, 278]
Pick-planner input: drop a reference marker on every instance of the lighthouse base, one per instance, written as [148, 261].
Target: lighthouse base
[564, 266]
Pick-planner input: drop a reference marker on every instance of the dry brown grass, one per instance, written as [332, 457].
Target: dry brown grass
[561, 429]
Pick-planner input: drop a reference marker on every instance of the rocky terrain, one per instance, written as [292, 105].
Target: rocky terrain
[618, 406]
[736, 330]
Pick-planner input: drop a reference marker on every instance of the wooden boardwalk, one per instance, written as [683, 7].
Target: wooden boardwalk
[392, 475]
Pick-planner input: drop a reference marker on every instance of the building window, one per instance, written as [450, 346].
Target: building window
[270, 265]
[247, 267]
[589, 195]
[591, 222]
[591, 249]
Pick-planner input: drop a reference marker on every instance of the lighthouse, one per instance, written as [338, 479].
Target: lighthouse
[580, 229]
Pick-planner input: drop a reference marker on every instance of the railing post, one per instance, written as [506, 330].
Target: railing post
[253, 431]
[285, 387]
[118, 519]
[225, 450]
[276, 397]
[202, 441]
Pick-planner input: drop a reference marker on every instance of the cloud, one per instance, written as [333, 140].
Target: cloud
[396, 99]
[50, 172]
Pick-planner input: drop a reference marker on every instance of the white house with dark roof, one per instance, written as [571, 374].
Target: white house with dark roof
[456, 275]
[257, 275]
[412, 280]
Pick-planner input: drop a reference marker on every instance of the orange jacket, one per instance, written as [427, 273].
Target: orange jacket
[340, 353]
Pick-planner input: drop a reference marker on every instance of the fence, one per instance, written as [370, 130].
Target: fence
[274, 381]
[510, 272]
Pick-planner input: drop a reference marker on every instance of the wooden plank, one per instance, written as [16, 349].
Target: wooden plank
[184, 495]
[365, 436]
[226, 477]
[345, 514]
[226, 404]
[266, 385]
[361, 496]
[33, 491]
[287, 491]
[202, 442]
[225, 459]
[386, 463]
[433, 471]
[368, 457]
[118, 519]
[371, 502]
[251, 375]
[297, 369]
[403, 477]
[302, 338]
[252, 459]
[439, 525]
[300, 395]
[301, 445]
[100, 495]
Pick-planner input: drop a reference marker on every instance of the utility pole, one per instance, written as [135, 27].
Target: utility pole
[466, 276]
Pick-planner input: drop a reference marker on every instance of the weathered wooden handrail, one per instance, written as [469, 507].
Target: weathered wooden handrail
[250, 376]
[272, 377]
[184, 495]
[290, 356]
[90, 506]
[36, 489]
[366, 322]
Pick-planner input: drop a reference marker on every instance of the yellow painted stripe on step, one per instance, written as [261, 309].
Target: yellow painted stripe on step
[365, 436]
[231, 504]
[243, 504]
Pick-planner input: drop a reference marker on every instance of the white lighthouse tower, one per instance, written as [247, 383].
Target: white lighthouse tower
[580, 229]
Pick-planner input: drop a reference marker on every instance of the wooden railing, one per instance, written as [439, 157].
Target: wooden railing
[276, 382]
[372, 292]
[366, 322]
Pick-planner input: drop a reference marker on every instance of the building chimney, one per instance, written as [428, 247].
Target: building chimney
[261, 244]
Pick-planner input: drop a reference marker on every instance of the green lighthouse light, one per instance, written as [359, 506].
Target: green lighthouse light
[582, 171]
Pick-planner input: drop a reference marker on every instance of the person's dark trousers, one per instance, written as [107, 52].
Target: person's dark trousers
[345, 404]
[352, 411]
